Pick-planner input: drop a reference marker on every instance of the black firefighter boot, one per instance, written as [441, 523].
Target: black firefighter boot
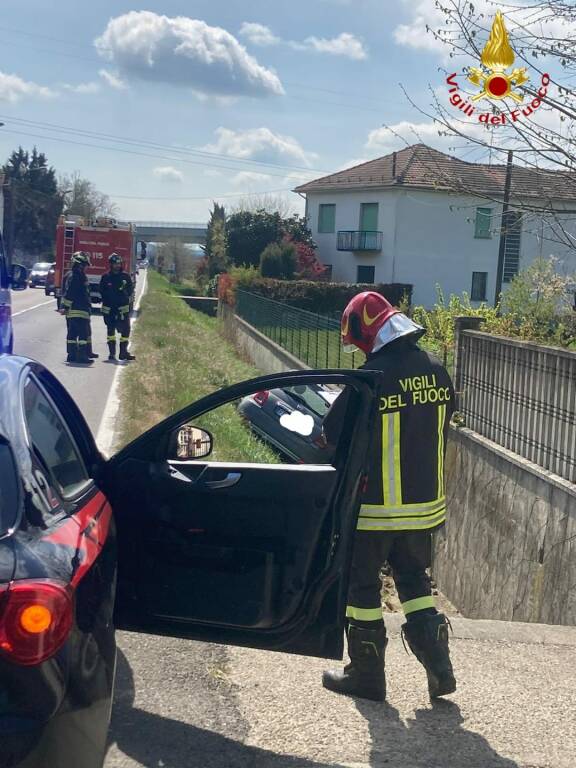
[82, 356]
[112, 350]
[364, 676]
[124, 354]
[427, 637]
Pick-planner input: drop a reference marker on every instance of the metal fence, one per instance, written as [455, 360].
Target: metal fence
[312, 338]
[521, 396]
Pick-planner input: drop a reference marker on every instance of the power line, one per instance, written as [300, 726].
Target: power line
[145, 143]
[132, 152]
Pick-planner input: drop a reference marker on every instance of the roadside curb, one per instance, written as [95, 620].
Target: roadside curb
[106, 436]
[487, 630]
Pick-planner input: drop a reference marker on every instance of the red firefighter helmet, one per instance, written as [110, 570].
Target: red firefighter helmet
[363, 318]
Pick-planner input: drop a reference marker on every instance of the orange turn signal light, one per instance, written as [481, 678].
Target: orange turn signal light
[36, 619]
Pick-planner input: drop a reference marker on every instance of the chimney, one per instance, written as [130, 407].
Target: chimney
[394, 166]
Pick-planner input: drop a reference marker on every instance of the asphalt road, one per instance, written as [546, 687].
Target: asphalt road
[180, 704]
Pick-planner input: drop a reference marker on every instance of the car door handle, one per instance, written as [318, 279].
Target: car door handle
[231, 479]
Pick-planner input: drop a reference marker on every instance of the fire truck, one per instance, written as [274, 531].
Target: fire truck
[99, 239]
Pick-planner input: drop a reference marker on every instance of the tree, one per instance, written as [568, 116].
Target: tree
[249, 232]
[35, 202]
[536, 41]
[81, 198]
[216, 248]
[279, 260]
[175, 259]
[268, 202]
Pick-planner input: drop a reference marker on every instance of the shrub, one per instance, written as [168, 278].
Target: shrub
[320, 297]
[278, 260]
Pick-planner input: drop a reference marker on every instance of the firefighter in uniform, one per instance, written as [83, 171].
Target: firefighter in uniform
[403, 502]
[116, 289]
[76, 306]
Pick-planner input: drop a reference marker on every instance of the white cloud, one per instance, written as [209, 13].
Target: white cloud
[212, 173]
[258, 34]
[82, 88]
[425, 15]
[344, 45]
[13, 89]
[184, 52]
[113, 80]
[400, 135]
[259, 144]
[249, 179]
[168, 173]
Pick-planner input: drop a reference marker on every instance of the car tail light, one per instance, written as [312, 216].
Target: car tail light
[35, 620]
[261, 397]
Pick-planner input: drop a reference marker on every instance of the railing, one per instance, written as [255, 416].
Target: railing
[314, 339]
[170, 224]
[359, 240]
[521, 396]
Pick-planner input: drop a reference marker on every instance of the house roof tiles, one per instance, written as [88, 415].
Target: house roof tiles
[422, 167]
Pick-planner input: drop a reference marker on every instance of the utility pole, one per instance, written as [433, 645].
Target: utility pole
[503, 228]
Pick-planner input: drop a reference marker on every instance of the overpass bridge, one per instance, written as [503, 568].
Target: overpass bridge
[162, 231]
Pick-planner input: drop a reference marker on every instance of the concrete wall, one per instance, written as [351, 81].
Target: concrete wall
[509, 547]
[255, 347]
[428, 239]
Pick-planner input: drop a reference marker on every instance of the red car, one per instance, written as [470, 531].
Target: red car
[159, 539]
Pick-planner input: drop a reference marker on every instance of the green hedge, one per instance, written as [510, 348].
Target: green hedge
[320, 297]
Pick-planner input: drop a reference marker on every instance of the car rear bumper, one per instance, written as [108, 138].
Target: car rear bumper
[73, 739]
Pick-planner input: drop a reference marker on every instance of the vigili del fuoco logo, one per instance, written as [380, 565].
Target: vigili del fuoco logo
[496, 82]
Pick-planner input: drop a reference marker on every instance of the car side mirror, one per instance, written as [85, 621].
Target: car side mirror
[18, 277]
[190, 442]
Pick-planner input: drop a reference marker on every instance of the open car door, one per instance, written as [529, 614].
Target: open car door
[239, 546]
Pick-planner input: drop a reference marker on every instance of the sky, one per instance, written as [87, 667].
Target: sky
[169, 106]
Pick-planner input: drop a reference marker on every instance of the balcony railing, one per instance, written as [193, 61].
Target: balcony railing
[359, 240]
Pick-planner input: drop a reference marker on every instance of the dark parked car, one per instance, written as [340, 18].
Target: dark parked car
[267, 410]
[49, 283]
[39, 273]
[158, 539]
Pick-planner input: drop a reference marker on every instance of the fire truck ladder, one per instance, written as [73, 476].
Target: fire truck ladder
[68, 244]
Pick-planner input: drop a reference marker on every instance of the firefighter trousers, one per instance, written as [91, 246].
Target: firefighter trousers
[409, 555]
[78, 337]
[117, 325]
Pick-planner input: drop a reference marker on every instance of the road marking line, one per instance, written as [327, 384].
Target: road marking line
[107, 430]
[36, 306]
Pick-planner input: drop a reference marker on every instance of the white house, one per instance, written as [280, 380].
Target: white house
[422, 217]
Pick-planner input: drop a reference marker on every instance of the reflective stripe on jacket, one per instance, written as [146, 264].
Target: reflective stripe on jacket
[76, 295]
[405, 485]
[116, 289]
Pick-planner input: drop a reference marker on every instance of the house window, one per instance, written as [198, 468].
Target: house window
[369, 217]
[479, 282]
[512, 226]
[365, 275]
[326, 218]
[483, 222]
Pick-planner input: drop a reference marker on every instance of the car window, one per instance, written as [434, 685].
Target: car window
[265, 427]
[42, 265]
[52, 441]
[8, 489]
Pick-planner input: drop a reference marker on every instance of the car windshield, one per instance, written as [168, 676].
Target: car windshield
[42, 266]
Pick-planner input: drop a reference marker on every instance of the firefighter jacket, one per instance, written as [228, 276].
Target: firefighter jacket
[76, 296]
[116, 289]
[405, 489]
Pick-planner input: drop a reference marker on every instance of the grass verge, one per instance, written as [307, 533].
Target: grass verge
[180, 357]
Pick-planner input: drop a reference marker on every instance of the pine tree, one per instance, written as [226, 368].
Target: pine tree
[36, 203]
[216, 248]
